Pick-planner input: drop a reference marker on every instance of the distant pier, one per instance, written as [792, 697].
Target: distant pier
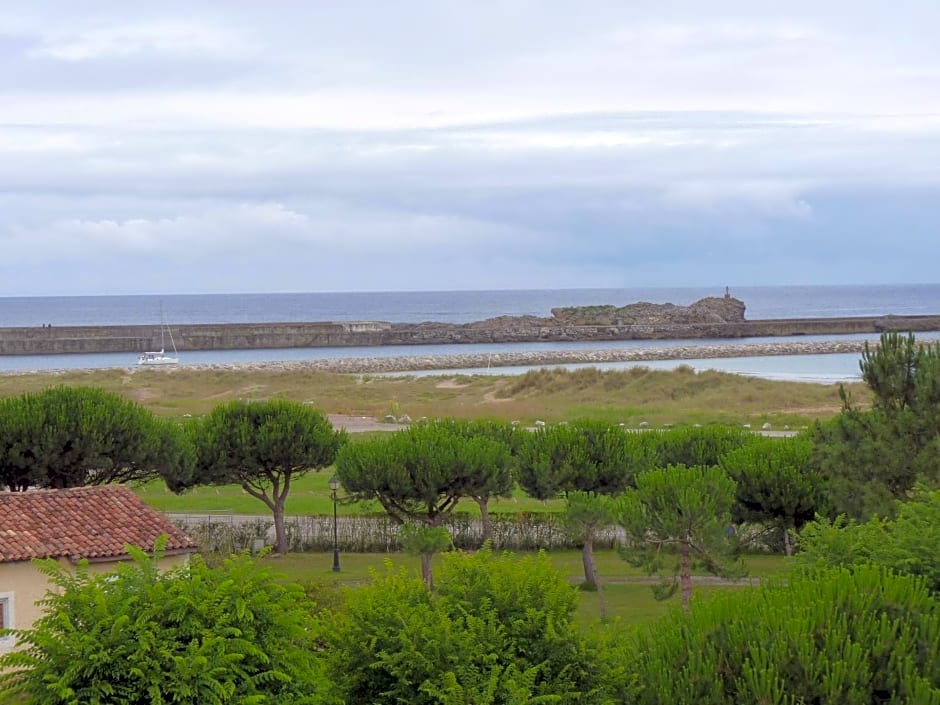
[45, 340]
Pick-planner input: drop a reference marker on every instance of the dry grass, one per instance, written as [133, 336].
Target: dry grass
[628, 396]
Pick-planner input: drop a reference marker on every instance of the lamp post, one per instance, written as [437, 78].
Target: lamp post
[334, 485]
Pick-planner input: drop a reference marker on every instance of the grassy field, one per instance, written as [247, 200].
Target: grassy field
[309, 495]
[630, 396]
[631, 602]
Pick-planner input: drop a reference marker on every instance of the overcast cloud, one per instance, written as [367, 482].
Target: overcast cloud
[231, 146]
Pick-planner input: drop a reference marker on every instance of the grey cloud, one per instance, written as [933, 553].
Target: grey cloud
[360, 145]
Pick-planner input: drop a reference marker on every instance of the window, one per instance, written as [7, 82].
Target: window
[6, 617]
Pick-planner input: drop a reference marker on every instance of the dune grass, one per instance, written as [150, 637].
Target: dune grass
[628, 396]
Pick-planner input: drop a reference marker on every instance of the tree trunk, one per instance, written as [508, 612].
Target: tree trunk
[280, 534]
[485, 516]
[685, 572]
[591, 578]
[587, 559]
[787, 542]
[426, 570]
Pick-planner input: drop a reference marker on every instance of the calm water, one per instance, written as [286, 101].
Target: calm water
[452, 306]
[461, 307]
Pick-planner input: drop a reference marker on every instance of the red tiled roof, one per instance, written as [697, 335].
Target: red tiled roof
[82, 522]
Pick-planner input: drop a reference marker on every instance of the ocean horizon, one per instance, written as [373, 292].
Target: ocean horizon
[452, 306]
[463, 307]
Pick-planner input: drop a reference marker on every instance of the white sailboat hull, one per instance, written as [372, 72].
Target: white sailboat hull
[157, 358]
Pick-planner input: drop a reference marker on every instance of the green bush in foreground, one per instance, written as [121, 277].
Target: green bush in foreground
[499, 630]
[192, 635]
[848, 637]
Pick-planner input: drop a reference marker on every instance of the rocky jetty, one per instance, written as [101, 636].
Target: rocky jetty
[704, 311]
[713, 317]
[379, 365]
[707, 311]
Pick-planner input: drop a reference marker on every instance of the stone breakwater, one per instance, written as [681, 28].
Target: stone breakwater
[413, 363]
[255, 336]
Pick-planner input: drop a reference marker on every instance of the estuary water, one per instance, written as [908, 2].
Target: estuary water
[462, 307]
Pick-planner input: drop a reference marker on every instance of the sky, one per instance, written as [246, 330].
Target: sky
[245, 146]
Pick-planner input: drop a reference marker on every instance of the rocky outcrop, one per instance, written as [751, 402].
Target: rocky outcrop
[704, 311]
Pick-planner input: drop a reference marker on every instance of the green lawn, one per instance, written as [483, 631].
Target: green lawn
[309, 496]
[632, 603]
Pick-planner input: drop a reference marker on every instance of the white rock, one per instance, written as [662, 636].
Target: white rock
[539, 422]
[766, 426]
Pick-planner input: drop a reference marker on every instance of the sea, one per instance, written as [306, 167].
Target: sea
[463, 307]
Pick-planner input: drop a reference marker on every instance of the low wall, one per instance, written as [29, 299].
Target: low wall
[246, 336]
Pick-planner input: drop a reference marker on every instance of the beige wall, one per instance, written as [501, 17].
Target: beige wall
[26, 586]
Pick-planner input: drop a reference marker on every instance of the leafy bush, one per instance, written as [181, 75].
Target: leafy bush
[233, 635]
[863, 636]
[500, 630]
[910, 543]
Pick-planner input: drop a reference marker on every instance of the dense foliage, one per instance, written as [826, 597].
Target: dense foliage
[193, 635]
[488, 470]
[862, 637]
[498, 630]
[908, 543]
[776, 487]
[870, 458]
[73, 436]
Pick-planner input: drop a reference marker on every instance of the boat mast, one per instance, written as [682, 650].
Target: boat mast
[162, 327]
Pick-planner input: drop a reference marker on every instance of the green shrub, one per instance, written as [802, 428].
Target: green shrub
[852, 637]
[909, 543]
[500, 630]
[192, 635]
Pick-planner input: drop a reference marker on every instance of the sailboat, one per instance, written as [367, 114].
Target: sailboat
[161, 357]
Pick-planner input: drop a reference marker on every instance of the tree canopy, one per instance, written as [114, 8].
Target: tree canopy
[776, 486]
[678, 511]
[591, 457]
[873, 457]
[262, 446]
[73, 436]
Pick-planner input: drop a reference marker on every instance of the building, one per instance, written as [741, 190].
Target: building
[93, 523]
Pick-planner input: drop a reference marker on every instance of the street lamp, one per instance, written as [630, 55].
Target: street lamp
[334, 485]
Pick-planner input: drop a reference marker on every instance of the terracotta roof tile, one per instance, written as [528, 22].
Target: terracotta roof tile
[82, 522]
